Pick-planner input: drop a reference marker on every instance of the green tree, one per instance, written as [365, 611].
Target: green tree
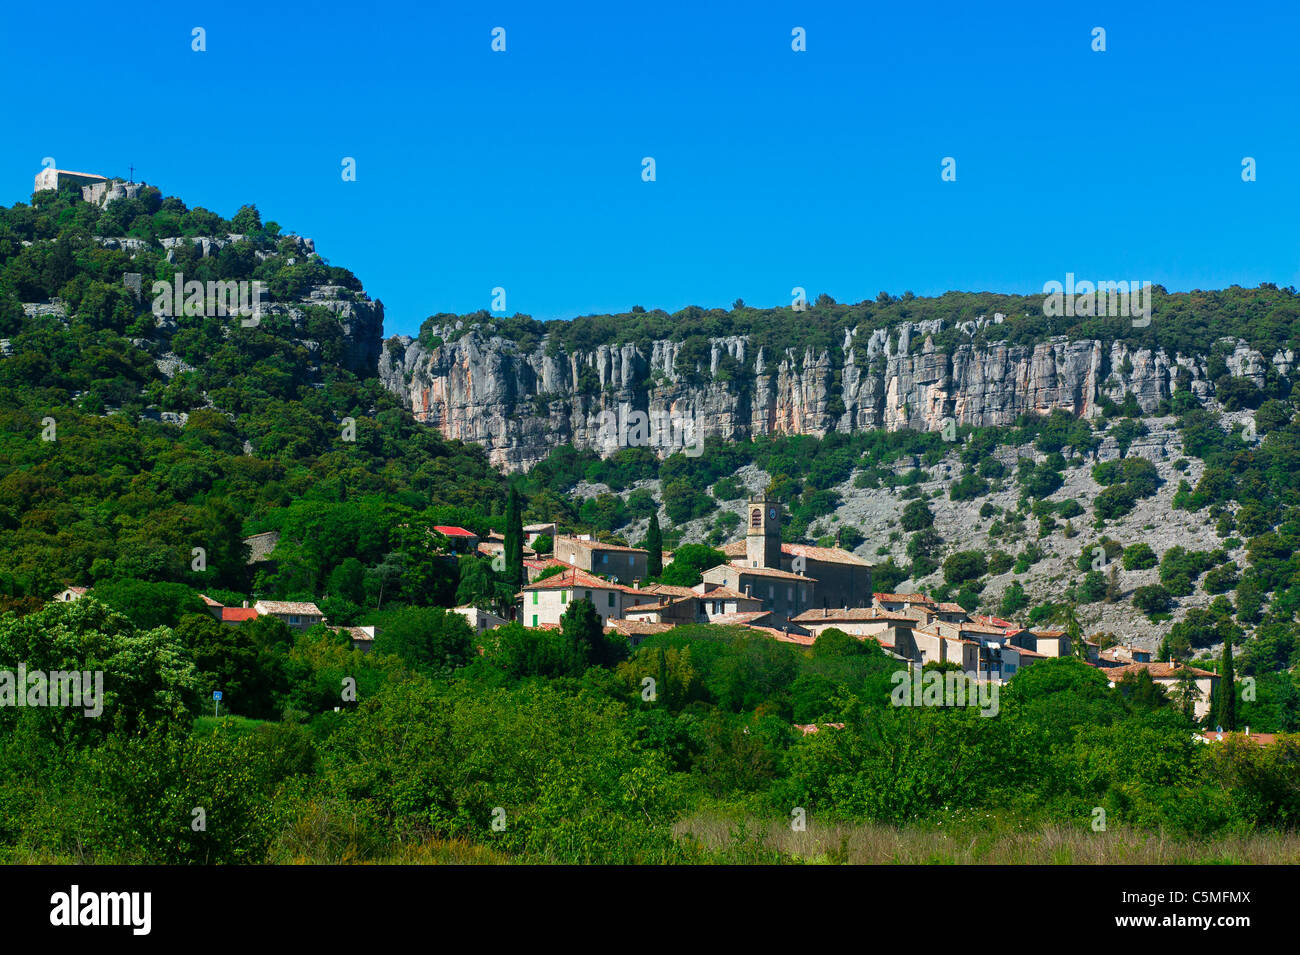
[476, 587]
[917, 516]
[514, 545]
[689, 563]
[654, 545]
[1225, 709]
[428, 638]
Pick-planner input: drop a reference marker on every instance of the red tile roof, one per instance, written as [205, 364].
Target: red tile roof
[577, 578]
[237, 614]
[448, 530]
[993, 621]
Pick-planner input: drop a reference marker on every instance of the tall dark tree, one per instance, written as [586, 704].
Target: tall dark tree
[1226, 705]
[583, 635]
[654, 543]
[514, 541]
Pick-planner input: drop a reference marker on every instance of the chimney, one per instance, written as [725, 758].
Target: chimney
[748, 587]
[825, 612]
[1248, 729]
[245, 604]
[636, 583]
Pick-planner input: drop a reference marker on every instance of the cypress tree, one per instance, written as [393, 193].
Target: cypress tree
[1227, 703]
[654, 543]
[514, 541]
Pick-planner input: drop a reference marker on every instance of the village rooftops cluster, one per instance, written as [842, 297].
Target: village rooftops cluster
[792, 593]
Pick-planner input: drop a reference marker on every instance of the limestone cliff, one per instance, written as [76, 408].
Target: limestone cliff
[521, 404]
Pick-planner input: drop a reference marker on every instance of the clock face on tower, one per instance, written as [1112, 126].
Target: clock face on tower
[771, 513]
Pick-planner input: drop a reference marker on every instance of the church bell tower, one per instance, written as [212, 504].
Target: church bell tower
[763, 533]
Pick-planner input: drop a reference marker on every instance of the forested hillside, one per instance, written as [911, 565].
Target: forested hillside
[139, 450]
[130, 439]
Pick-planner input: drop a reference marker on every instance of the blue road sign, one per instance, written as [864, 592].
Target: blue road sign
[216, 694]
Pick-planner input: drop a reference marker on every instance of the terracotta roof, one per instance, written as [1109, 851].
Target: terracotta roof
[725, 593]
[904, 598]
[827, 555]
[948, 607]
[205, 598]
[765, 572]
[781, 635]
[992, 621]
[449, 530]
[577, 578]
[540, 564]
[671, 589]
[849, 613]
[598, 545]
[1158, 671]
[1049, 634]
[740, 619]
[237, 614]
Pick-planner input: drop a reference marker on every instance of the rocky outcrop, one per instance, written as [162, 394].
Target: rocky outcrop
[521, 404]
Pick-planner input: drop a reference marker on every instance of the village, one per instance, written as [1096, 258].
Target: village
[791, 593]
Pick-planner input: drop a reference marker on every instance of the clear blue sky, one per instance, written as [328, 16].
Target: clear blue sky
[775, 169]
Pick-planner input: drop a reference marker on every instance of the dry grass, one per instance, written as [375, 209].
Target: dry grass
[444, 852]
[1045, 844]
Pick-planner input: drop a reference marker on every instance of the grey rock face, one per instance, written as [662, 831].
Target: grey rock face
[520, 405]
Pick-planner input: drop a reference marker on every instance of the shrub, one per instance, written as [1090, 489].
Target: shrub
[1139, 557]
[964, 565]
[917, 516]
[1152, 599]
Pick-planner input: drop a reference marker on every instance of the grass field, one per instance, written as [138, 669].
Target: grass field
[998, 844]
